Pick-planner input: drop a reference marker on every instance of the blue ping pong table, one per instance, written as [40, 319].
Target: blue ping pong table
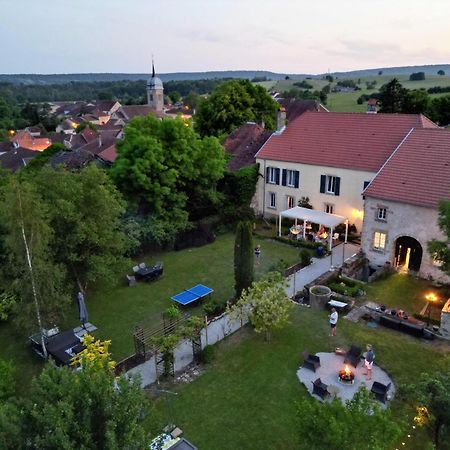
[192, 295]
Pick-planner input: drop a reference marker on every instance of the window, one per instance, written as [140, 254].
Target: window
[382, 214]
[330, 184]
[272, 200]
[379, 240]
[151, 97]
[273, 175]
[290, 201]
[290, 178]
[329, 208]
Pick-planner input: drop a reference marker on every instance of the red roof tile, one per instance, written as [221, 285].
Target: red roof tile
[109, 154]
[418, 172]
[347, 140]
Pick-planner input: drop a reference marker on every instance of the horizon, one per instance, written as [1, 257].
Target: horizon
[113, 37]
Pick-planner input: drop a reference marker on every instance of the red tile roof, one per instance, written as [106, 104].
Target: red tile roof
[109, 154]
[418, 172]
[346, 140]
[243, 144]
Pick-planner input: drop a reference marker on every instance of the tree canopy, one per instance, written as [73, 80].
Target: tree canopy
[360, 424]
[231, 105]
[167, 170]
[391, 97]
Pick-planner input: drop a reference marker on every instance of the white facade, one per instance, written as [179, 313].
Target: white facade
[272, 198]
[387, 221]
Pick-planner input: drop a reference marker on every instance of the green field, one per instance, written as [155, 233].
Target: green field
[346, 101]
[246, 399]
[116, 309]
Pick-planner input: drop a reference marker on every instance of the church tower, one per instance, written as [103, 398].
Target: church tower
[155, 92]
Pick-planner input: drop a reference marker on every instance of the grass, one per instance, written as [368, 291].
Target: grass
[116, 309]
[404, 292]
[246, 399]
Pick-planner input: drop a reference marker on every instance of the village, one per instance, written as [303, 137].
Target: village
[230, 259]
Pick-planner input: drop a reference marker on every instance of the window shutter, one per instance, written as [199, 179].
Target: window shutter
[296, 178]
[267, 174]
[277, 176]
[283, 177]
[323, 180]
[338, 186]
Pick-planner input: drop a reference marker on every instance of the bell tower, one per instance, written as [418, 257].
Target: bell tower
[155, 92]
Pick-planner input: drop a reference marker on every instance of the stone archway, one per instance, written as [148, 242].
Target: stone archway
[408, 253]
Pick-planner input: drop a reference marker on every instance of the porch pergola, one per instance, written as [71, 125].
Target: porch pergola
[310, 215]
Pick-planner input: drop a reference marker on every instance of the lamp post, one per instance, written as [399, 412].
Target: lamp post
[431, 298]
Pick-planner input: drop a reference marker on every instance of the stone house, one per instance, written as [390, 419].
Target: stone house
[329, 158]
[400, 207]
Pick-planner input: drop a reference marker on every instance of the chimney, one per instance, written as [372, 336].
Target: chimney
[281, 120]
[99, 140]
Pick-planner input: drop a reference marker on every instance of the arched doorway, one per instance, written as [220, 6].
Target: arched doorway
[408, 253]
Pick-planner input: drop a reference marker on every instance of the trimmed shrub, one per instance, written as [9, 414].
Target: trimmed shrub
[305, 257]
[213, 307]
[208, 354]
[243, 257]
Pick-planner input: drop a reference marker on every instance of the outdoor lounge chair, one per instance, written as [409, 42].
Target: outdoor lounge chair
[380, 391]
[131, 280]
[353, 356]
[136, 269]
[320, 389]
[311, 362]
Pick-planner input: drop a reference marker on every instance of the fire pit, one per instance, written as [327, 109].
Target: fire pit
[346, 375]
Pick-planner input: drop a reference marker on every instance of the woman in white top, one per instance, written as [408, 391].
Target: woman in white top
[333, 321]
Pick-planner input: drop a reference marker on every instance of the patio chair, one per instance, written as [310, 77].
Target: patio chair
[353, 356]
[380, 391]
[131, 279]
[136, 269]
[311, 362]
[320, 389]
[336, 236]
[142, 265]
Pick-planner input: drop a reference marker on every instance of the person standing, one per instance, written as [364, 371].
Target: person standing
[258, 254]
[368, 362]
[333, 317]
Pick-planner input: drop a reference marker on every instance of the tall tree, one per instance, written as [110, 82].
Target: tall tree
[88, 408]
[440, 250]
[391, 97]
[265, 303]
[168, 170]
[243, 257]
[231, 105]
[416, 102]
[440, 110]
[84, 211]
[360, 424]
[31, 272]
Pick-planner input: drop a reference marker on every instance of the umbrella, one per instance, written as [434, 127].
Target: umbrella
[83, 314]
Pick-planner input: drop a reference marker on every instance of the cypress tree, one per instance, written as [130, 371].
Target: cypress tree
[243, 257]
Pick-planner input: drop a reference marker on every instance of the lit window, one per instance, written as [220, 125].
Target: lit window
[272, 200]
[290, 202]
[331, 184]
[329, 208]
[379, 240]
[381, 213]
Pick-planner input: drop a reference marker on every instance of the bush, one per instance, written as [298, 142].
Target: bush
[280, 266]
[208, 354]
[348, 288]
[173, 312]
[7, 382]
[7, 303]
[305, 257]
[213, 307]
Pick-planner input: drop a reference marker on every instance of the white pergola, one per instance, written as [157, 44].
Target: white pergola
[310, 215]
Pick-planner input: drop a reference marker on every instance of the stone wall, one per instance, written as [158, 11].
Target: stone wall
[402, 220]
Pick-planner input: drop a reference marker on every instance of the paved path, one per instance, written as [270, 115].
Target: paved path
[319, 267]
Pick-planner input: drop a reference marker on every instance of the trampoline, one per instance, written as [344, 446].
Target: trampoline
[192, 295]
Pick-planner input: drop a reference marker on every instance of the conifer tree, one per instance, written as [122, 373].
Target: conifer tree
[243, 257]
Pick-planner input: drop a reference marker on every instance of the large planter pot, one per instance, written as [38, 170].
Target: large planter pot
[319, 296]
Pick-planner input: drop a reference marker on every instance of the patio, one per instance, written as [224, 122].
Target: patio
[330, 364]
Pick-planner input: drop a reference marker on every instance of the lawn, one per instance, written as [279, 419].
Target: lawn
[404, 292]
[247, 397]
[116, 309]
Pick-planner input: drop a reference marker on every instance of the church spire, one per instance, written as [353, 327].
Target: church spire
[153, 68]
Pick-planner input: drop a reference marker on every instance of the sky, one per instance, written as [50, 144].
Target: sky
[287, 36]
